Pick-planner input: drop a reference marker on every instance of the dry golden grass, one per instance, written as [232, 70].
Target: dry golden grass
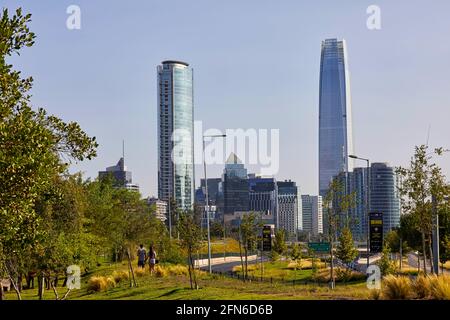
[97, 284]
[396, 288]
[422, 287]
[119, 276]
[111, 283]
[251, 267]
[178, 270]
[305, 264]
[161, 272]
[140, 272]
[440, 287]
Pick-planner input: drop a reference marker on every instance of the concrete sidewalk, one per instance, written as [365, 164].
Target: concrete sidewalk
[217, 261]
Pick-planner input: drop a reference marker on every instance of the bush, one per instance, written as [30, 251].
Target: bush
[422, 287]
[396, 288]
[375, 294]
[119, 276]
[97, 284]
[178, 270]
[140, 272]
[440, 287]
[111, 283]
[160, 272]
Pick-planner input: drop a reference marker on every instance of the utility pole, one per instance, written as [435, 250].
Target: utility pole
[435, 236]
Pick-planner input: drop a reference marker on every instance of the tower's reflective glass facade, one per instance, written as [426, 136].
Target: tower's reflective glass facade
[175, 133]
[335, 123]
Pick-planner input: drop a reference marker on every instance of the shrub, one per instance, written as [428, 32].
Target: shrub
[97, 284]
[440, 287]
[396, 288]
[375, 294]
[422, 287]
[178, 270]
[119, 276]
[160, 272]
[139, 272]
[111, 283]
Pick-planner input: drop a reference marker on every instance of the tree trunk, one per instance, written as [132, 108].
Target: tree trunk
[2, 295]
[190, 268]
[430, 250]
[240, 254]
[41, 286]
[130, 266]
[424, 251]
[246, 263]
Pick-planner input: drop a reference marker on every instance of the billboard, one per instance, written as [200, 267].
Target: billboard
[376, 232]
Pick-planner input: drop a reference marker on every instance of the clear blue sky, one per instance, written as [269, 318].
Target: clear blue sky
[256, 66]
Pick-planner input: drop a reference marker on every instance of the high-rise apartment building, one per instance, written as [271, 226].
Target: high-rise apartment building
[288, 208]
[175, 133]
[312, 215]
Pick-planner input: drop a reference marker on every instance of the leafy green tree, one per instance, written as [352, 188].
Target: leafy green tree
[279, 243]
[387, 266]
[296, 255]
[336, 205]
[34, 148]
[249, 229]
[190, 240]
[346, 250]
[423, 190]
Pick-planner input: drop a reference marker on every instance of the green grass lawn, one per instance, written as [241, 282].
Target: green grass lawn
[212, 287]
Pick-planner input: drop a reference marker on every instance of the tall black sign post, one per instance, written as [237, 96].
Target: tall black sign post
[376, 232]
[267, 238]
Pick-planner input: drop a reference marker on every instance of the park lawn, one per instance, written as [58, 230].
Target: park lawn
[212, 287]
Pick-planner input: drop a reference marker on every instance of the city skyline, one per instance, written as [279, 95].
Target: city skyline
[393, 103]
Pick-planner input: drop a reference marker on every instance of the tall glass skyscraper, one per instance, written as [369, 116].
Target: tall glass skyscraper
[175, 133]
[335, 121]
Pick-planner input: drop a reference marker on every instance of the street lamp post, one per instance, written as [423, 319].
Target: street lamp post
[207, 200]
[367, 204]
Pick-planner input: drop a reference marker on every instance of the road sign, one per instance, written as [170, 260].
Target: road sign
[376, 232]
[267, 238]
[319, 246]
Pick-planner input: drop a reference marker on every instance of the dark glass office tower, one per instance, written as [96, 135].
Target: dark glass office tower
[235, 186]
[175, 133]
[384, 196]
[335, 123]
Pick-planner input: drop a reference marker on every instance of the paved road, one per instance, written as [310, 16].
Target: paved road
[221, 265]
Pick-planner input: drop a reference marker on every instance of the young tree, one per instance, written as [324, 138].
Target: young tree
[249, 229]
[387, 266]
[34, 148]
[336, 204]
[190, 240]
[279, 243]
[423, 190]
[346, 250]
[296, 255]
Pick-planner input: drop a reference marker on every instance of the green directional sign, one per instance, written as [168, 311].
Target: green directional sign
[319, 246]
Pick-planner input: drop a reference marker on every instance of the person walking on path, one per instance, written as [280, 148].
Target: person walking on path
[152, 259]
[142, 256]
